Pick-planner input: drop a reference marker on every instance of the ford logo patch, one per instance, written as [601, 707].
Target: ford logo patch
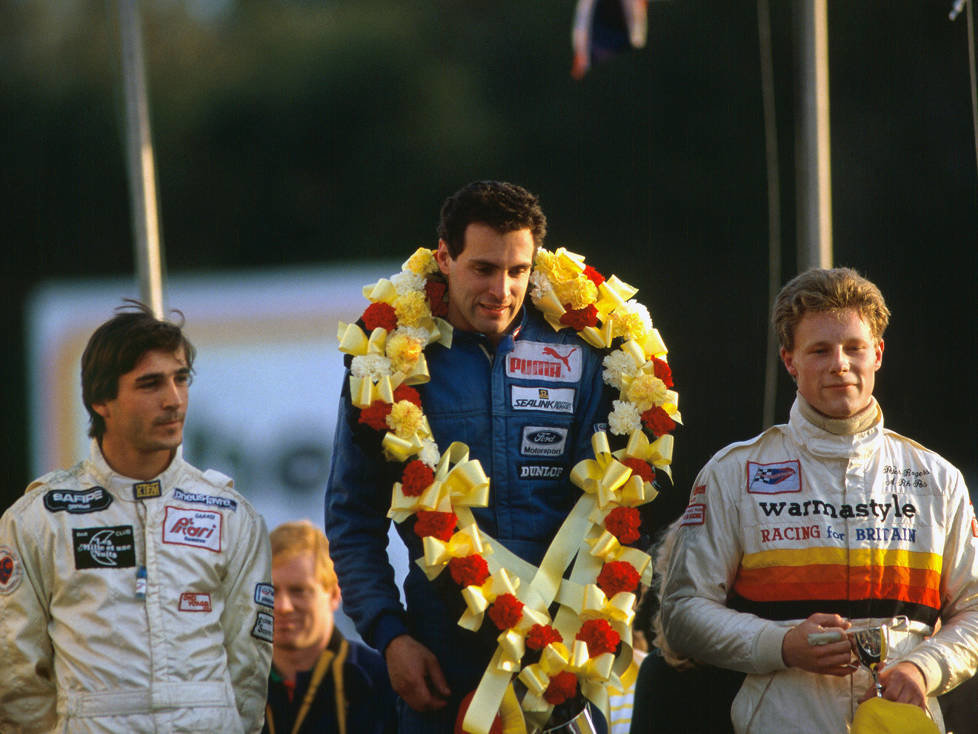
[544, 437]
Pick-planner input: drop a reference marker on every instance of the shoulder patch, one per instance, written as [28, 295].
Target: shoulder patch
[77, 502]
[265, 595]
[210, 500]
[264, 626]
[547, 362]
[695, 514]
[777, 478]
[11, 570]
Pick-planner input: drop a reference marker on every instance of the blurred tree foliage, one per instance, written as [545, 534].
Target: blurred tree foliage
[309, 132]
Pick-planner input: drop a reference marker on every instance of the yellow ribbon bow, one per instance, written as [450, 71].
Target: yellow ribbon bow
[603, 475]
[458, 482]
[478, 598]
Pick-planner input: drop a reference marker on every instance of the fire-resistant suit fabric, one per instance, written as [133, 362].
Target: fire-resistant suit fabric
[527, 411]
[135, 606]
[871, 526]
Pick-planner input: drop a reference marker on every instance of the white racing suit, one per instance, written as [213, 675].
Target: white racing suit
[871, 526]
[91, 643]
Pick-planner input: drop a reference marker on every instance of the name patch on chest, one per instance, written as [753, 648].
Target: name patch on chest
[196, 528]
[205, 499]
[542, 361]
[77, 502]
[545, 399]
[783, 476]
[541, 471]
[110, 547]
[195, 601]
[543, 441]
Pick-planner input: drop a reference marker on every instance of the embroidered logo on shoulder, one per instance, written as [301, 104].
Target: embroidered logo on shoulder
[265, 595]
[695, 514]
[543, 441]
[196, 528]
[195, 601]
[542, 361]
[111, 547]
[147, 490]
[210, 500]
[11, 571]
[545, 399]
[77, 502]
[783, 476]
[698, 490]
[264, 627]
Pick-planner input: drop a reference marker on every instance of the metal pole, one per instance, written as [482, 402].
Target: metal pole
[813, 149]
[141, 165]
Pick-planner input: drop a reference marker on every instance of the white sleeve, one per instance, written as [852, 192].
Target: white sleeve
[695, 618]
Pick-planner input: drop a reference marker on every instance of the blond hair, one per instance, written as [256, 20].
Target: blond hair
[833, 290]
[291, 539]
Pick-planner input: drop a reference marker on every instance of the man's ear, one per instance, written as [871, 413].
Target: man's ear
[789, 363]
[335, 598]
[442, 256]
[101, 408]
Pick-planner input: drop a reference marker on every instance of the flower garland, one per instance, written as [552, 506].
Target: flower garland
[586, 647]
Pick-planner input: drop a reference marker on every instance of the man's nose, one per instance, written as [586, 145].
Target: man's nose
[840, 362]
[282, 602]
[172, 394]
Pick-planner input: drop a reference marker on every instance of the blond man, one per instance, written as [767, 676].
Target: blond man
[320, 681]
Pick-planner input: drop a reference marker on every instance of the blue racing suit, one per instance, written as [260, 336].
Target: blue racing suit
[527, 411]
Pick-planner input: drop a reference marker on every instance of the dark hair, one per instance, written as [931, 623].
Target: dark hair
[503, 206]
[117, 345]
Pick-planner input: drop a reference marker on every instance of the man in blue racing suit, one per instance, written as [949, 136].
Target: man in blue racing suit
[524, 398]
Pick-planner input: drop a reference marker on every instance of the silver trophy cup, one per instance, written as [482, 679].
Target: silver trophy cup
[870, 646]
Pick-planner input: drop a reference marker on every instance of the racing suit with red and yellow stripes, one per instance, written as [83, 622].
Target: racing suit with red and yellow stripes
[871, 526]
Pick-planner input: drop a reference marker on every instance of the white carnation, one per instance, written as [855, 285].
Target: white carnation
[406, 281]
[429, 453]
[539, 285]
[616, 364]
[372, 366]
[624, 419]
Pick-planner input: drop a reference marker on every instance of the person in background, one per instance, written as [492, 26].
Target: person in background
[134, 588]
[320, 681]
[828, 522]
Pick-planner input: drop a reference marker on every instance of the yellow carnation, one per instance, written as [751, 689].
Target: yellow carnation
[405, 419]
[631, 320]
[403, 351]
[421, 262]
[579, 292]
[646, 390]
[411, 308]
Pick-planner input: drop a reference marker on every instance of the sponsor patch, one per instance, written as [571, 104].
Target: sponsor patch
[547, 399]
[541, 471]
[195, 601]
[695, 514]
[698, 490]
[77, 502]
[196, 528]
[264, 627]
[205, 499]
[11, 571]
[548, 362]
[265, 595]
[147, 490]
[783, 476]
[110, 547]
[543, 441]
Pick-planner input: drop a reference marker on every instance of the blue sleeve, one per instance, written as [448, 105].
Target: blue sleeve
[358, 494]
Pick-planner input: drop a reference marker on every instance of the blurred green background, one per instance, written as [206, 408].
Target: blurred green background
[290, 133]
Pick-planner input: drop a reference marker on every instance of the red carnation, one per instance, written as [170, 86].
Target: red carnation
[563, 686]
[506, 611]
[593, 275]
[599, 637]
[578, 318]
[435, 290]
[406, 392]
[541, 635]
[440, 525]
[657, 420]
[470, 570]
[375, 415]
[617, 576]
[380, 314]
[623, 523]
[663, 371]
[642, 468]
[417, 478]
